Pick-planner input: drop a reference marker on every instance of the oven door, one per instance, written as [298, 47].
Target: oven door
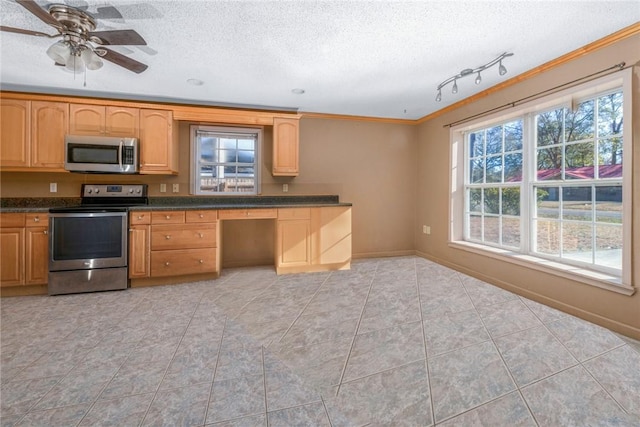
[87, 240]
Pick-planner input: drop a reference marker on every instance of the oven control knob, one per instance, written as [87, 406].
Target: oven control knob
[138, 191]
[131, 190]
[97, 190]
[89, 191]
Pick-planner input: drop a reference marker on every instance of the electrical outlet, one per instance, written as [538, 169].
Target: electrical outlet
[176, 188]
[53, 187]
[285, 188]
[163, 188]
[426, 229]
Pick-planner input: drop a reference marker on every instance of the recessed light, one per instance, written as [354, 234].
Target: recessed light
[195, 82]
[297, 91]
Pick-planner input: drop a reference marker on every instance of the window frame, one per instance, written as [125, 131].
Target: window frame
[195, 151]
[459, 165]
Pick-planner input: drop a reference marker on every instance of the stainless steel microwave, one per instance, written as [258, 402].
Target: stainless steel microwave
[100, 154]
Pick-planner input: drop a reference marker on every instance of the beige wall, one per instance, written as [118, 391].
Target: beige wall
[613, 310]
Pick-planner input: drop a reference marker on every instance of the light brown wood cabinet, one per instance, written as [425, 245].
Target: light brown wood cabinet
[158, 142]
[173, 243]
[257, 213]
[285, 147]
[102, 120]
[33, 135]
[24, 242]
[313, 239]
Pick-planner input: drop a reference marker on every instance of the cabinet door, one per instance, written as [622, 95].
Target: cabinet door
[49, 124]
[37, 255]
[12, 259]
[293, 243]
[331, 228]
[121, 121]
[285, 147]
[86, 119]
[158, 146]
[15, 132]
[139, 251]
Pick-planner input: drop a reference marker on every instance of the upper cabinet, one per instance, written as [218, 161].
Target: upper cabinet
[285, 146]
[103, 120]
[33, 135]
[158, 142]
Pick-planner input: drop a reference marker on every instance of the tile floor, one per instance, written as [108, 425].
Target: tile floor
[393, 341]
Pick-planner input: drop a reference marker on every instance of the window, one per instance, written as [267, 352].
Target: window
[225, 161]
[550, 182]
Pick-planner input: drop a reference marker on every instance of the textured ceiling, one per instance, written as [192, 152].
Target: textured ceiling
[365, 58]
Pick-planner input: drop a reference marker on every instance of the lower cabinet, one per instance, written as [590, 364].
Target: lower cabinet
[313, 239]
[24, 244]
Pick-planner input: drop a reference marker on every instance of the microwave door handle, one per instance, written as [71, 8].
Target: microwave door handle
[120, 154]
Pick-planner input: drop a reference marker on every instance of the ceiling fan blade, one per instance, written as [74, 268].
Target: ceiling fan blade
[123, 61]
[118, 37]
[44, 16]
[27, 32]
[107, 12]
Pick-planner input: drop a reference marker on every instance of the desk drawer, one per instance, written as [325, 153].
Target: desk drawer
[139, 218]
[167, 217]
[294, 213]
[202, 216]
[247, 213]
[181, 262]
[183, 237]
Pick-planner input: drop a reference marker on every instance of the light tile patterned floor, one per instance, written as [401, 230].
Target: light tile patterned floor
[393, 341]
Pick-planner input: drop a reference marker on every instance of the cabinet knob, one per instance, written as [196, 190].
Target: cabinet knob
[201, 261]
[36, 219]
[140, 216]
[201, 235]
[201, 216]
[168, 236]
[45, 232]
[166, 263]
[168, 217]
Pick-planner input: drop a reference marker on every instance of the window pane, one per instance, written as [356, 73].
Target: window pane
[579, 124]
[511, 201]
[476, 144]
[548, 202]
[549, 127]
[547, 237]
[494, 140]
[513, 167]
[579, 161]
[610, 114]
[576, 203]
[609, 204]
[610, 158]
[511, 231]
[475, 227]
[492, 229]
[491, 200]
[475, 200]
[549, 161]
[609, 245]
[494, 169]
[513, 136]
[576, 241]
[476, 175]
[246, 144]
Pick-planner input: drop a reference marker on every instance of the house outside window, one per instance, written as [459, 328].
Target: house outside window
[550, 184]
[225, 161]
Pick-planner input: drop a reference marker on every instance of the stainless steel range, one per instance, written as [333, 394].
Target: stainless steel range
[88, 243]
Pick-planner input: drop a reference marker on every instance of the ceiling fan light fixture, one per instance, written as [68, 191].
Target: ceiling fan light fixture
[91, 60]
[75, 63]
[60, 52]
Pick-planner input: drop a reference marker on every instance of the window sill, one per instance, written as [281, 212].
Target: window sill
[592, 278]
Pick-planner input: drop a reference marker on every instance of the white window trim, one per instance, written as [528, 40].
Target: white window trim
[194, 154]
[623, 284]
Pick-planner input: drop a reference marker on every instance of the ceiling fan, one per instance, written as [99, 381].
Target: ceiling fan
[80, 46]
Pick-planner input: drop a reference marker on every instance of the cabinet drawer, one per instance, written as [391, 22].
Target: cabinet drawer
[294, 213]
[202, 216]
[37, 220]
[247, 213]
[139, 218]
[12, 220]
[167, 217]
[184, 237]
[180, 262]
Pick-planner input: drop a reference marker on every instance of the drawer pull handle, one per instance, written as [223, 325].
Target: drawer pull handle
[168, 236]
[201, 261]
[36, 219]
[140, 216]
[201, 235]
[201, 216]
[166, 264]
[45, 232]
[168, 217]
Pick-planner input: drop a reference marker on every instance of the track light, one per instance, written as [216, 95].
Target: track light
[502, 70]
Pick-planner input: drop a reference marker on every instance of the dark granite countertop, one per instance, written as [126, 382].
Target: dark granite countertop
[180, 203]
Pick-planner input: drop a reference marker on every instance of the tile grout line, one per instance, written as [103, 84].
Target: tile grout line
[424, 344]
[264, 385]
[215, 369]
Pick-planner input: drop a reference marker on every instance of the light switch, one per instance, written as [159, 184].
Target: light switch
[53, 187]
[163, 188]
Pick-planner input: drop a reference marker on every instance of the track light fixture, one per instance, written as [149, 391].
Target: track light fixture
[502, 70]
